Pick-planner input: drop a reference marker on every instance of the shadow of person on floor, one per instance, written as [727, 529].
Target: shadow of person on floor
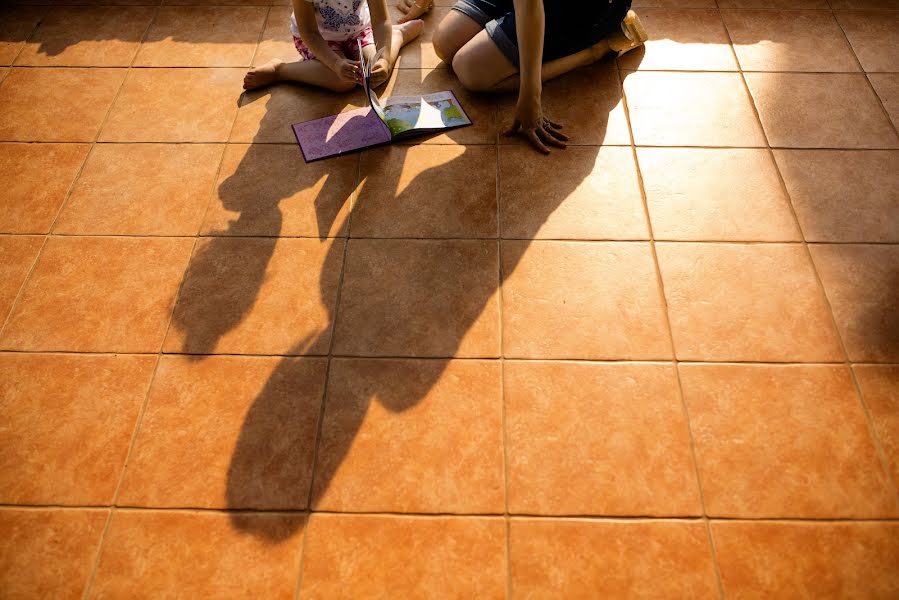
[261, 475]
[227, 270]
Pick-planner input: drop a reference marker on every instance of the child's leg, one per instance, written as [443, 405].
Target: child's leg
[307, 70]
[402, 35]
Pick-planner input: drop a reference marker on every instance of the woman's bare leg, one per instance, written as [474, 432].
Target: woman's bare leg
[453, 32]
[481, 66]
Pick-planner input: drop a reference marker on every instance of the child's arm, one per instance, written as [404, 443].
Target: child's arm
[304, 11]
[383, 30]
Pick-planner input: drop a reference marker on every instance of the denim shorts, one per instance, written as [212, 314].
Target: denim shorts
[571, 25]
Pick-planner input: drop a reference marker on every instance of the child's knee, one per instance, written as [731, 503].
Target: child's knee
[471, 75]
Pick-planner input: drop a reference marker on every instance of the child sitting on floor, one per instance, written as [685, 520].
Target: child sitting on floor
[325, 33]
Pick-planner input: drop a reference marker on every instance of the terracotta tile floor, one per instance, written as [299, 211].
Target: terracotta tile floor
[661, 363]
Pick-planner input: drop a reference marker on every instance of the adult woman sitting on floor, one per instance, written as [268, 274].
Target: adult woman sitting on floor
[509, 45]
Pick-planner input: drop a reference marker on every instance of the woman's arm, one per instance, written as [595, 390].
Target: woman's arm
[307, 25]
[529, 120]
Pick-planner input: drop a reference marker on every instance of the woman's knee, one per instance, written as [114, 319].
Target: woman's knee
[446, 43]
[471, 72]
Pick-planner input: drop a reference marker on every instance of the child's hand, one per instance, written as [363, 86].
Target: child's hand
[380, 72]
[348, 69]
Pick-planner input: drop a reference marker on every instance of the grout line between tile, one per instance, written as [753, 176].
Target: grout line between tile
[298, 584]
[822, 290]
[502, 372]
[40, 21]
[866, 74]
[621, 518]
[674, 361]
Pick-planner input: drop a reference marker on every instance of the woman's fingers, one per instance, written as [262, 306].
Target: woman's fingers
[556, 134]
[553, 124]
[548, 138]
[405, 5]
[535, 141]
[513, 129]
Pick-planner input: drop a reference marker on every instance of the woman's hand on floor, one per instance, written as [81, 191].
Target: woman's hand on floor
[531, 123]
[412, 9]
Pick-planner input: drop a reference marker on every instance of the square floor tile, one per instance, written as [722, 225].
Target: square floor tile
[199, 555]
[420, 298]
[415, 192]
[277, 41]
[99, 295]
[195, 36]
[746, 302]
[874, 36]
[390, 437]
[887, 87]
[268, 190]
[581, 193]
[266, 115]
[258, 296]
[17, 24]
[789, 40]
[597, 439]
[682, 39]
[17, 256]
[349, 557]
[79, 36]
[880, 389]
[784, 441]
[37, 179]
[692, 194]
[582, 300]
[691, 109]
[596, 559]
[142, 189]
[56, 105]
[481, 108]
[808, 560]
[48, 553]
[68, 422]
[843, 196]
[587, 102]
[198, 106]
[810, 110]
[862, 285]
[227, 432]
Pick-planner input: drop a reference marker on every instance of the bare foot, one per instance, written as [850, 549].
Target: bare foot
[266, 74]
[410, 29]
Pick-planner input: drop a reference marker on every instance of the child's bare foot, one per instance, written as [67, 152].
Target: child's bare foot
[410, 29]
[266, 74]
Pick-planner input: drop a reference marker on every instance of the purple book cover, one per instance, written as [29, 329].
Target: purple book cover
[340, 133]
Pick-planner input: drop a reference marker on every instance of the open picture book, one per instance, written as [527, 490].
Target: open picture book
[376, 124]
